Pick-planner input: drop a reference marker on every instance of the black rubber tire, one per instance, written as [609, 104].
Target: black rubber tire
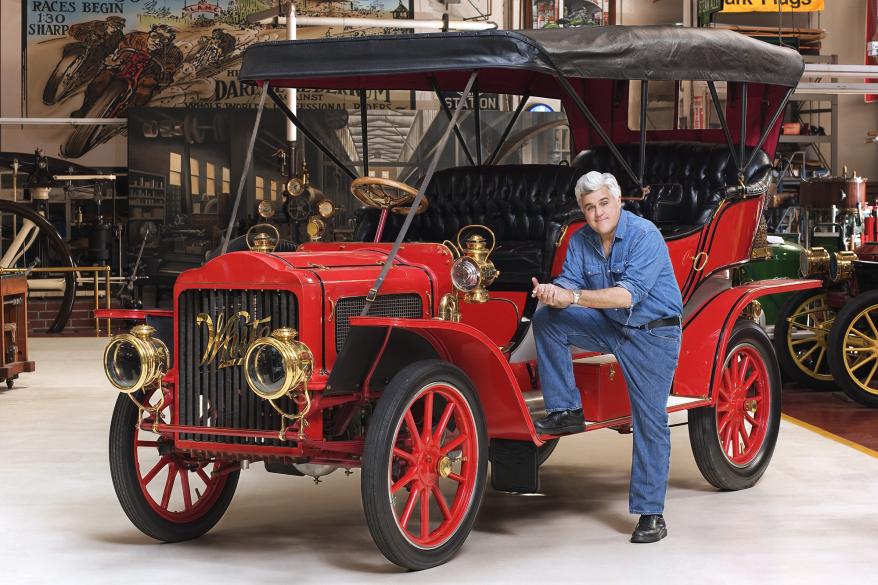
[375, 478]
[843, 320]
[50, 91]
[787, 365]
[703, 435]
[545, 450]
[86, 137]
[128, 490]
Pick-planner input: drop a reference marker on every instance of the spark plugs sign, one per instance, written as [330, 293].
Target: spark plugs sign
[772, 5]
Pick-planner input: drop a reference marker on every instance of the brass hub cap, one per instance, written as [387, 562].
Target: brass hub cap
[444, 466]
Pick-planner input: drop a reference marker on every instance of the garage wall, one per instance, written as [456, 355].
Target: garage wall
[844, 23]
[845, 26]
[113, 154]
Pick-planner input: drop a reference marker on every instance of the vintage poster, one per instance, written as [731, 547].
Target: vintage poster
[87, 59]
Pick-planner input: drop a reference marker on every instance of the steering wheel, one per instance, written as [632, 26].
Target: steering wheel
[386, 194]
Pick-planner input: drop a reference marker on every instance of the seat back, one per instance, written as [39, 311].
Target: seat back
[703, 170]
[517, 202]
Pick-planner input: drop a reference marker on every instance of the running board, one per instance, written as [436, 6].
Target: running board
[536, 406]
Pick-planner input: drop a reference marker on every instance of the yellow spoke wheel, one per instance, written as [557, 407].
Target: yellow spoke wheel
[853, 349]
[801, 339]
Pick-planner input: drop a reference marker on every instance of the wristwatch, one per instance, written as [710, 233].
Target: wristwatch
[576, 294]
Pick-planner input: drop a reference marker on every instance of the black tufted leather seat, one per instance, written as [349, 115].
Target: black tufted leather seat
[703, 170]
[522, 204]
[526, 205]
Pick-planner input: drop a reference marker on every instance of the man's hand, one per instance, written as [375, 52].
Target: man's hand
[551, 295]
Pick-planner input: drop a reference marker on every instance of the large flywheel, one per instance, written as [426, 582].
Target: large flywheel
[36, 242]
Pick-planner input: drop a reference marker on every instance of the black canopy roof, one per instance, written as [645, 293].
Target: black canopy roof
[611, 52]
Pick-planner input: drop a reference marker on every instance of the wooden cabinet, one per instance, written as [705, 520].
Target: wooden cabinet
[13, 324]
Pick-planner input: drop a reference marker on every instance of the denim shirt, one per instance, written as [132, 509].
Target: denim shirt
[639, 262]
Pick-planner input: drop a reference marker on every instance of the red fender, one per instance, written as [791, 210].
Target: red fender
[133, 314]
[472, 351]
[706, 332]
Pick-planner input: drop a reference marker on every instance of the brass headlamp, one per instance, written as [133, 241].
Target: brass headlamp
[473, 272]
[135, 360]
[263, 237]
[841, 265]
[814, 262]
[278, 364]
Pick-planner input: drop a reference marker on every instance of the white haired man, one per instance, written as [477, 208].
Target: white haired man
[616, 294]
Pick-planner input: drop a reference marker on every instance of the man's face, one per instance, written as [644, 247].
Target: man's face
[155, 42]
[602, 211]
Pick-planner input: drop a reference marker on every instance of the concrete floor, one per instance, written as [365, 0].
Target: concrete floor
[811, 519]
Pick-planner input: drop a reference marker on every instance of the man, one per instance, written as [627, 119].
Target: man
[101, 36]
[616, 294]
[148, 58]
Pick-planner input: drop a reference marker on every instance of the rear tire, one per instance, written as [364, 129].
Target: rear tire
[733, 441]
[422, 481]
[545, 450]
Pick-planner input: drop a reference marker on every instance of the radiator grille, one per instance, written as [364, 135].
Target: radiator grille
[406, 305]
[211, 396]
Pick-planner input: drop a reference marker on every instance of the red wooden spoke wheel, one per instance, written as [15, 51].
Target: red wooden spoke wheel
[167, 494]
[734, 439]
[424, 465]
[742, 409]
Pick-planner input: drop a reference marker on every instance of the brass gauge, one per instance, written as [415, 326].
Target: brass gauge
[316, 228]
[326, 209]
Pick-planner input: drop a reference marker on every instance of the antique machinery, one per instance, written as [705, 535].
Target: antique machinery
[836, 203]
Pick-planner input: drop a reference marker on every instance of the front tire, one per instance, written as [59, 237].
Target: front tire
[423, 482]
[853, 349]
[179, 504]
[733, 441]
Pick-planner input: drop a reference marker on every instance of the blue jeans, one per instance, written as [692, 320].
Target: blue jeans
[648, 358]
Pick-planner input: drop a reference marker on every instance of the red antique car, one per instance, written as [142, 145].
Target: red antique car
[412, 358]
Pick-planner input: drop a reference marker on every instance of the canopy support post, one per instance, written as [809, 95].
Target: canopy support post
[373, 292]
[364, 129]
[777, 113]
[508, 128]
[724, 123]
[742, 138]
[247, 161]
[597, 127]
[310, 136]
[457, 133]
[477, 116]
[644, 100]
